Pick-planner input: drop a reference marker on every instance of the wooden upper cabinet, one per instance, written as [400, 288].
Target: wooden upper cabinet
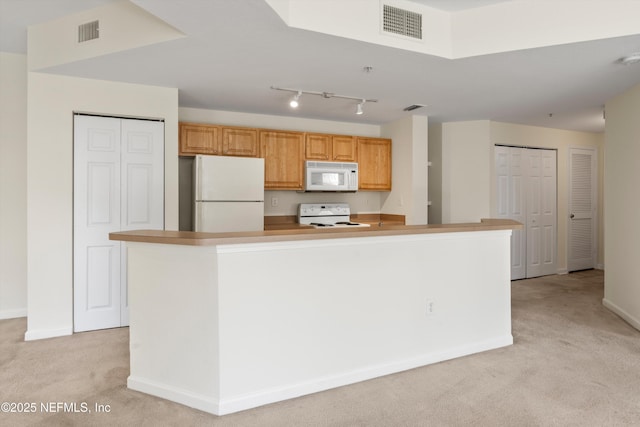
[240, 142]
[341, 148]
[199, 139]
[345, 148]
[374, 164]
[317, 147]
[283, 154]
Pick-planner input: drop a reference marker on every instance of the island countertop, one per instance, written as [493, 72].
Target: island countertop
[209, 239]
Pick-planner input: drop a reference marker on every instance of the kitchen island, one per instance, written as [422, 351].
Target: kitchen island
[229, 321]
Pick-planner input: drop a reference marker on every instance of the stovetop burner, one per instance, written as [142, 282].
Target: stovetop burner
[326, 215]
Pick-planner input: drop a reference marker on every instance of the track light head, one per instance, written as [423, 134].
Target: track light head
[630, 59]
[359, 107]
[294, 101]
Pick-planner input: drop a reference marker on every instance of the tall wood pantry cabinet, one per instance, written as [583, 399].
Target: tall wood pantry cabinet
[283, 154]
[374, 164]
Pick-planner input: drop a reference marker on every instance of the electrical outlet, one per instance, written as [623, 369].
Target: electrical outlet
[274, 202]
[429, 308]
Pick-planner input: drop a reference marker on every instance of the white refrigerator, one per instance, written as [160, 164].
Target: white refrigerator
[228, 194]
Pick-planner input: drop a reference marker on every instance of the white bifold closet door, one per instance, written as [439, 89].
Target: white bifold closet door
[118, 185]
[526, 181]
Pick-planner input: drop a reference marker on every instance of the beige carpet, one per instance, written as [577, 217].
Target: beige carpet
[573, 364]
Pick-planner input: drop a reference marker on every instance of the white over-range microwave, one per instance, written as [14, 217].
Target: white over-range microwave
[330, 176]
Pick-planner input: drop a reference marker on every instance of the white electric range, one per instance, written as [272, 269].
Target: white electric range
[322, 215]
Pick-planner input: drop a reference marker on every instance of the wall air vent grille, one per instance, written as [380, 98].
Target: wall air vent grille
[401, 22]
[88, 31]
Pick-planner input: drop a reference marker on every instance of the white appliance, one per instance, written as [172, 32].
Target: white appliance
[228, 194]
[322, 215]
[330, 176]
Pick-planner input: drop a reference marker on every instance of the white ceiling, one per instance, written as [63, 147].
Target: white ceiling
[236, 50]
[457, 5]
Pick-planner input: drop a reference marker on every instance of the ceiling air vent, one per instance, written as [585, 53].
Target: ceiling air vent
[401, 22]
[88, 31]
[413, 107]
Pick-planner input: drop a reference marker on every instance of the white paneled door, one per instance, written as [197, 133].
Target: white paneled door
[526, 192]
[582, 209]
[541, 209]
[511, 204]
[118, 185]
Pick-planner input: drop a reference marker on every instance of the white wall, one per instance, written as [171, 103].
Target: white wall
[360, 20]
[51, 103]
[531, 24]
[562, 141]
[466, 181]
[13, 185]
[123, 25]
[409, 171]
[622, 239]
[470, 32]
[265, 121]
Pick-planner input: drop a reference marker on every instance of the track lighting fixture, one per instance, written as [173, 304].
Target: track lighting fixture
[295, 99]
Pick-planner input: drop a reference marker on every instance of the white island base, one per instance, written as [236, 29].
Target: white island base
[226, 326]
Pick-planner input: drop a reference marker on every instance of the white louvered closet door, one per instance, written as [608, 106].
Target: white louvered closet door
[582, 209]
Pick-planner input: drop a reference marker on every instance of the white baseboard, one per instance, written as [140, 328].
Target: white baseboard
[599, 267]
[13, 313]
[40, 334]
[217, 406]
[633, 321]
[198, 401]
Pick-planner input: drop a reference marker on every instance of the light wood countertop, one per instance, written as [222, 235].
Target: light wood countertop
[209, 239]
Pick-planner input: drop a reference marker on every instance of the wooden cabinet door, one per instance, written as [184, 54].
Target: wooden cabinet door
[344, 148]
[240, 142]
[317, 147]
[374, 164]
[199, 139]
[341, 148]
[283, 154]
